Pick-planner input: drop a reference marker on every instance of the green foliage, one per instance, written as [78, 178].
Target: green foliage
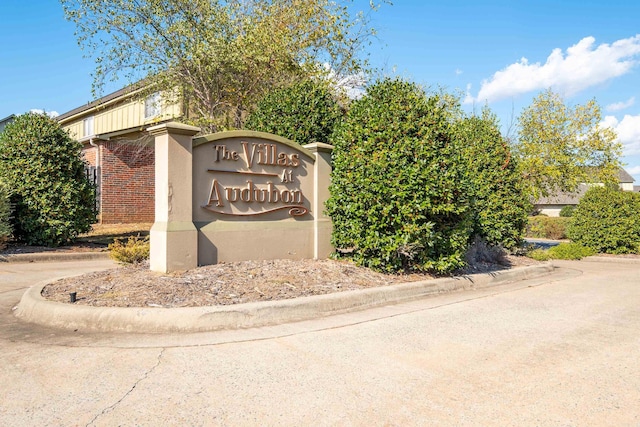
[560, 147]
[5, 215]
[567, 211]
[545, 227]
[398, 198]
[304, 112]
[499, 202]
[539, 255]
[572, 251]
[608, 221]
[53, 200]
[135, 250]
[223, 55]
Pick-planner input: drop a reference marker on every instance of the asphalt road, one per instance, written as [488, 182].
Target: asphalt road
[559, 351]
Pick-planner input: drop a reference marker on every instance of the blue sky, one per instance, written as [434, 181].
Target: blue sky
[500, 52]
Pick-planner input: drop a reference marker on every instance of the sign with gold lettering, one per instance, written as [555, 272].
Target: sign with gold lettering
[250, 174]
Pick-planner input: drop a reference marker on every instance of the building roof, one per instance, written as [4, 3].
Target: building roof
[8, 118]
[563, 198]
[624, 177]
[126, 91]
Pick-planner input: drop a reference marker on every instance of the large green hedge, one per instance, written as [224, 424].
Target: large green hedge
[304, 112]
[398, 198]
[5, 215]
[53, 199]
[607, 220]
[499, 203]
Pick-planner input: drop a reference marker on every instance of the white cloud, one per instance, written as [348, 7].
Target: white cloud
[621, 105]
[628, 130]
[582, 65]
[351, 84]
[459, 71]
[51, 114]
[635, 170]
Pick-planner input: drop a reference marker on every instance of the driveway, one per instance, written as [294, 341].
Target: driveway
[558, 351]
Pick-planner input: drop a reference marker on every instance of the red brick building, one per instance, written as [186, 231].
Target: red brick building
[119, 152]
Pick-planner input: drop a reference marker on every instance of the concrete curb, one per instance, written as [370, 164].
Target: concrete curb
[35, 309]
[54, 257]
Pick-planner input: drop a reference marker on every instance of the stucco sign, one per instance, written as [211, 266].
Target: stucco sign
[235, 196]
[251, 174]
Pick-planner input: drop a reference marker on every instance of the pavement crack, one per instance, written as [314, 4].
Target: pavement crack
[144, 377]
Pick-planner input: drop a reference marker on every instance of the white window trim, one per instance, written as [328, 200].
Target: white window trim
[152, 106]
[87, 126]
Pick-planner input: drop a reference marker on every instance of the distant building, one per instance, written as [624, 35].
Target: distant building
[119, 152]
[552, 205]
[4, 122]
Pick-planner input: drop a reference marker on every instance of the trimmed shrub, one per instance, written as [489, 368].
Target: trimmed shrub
[570, 251]
[305, 112]
[5, 215]
[135, 250]
[499, 201]
[398, 200]
[562, 251]
[547, 227]
[608, 221]
[567, 211]
[52, 198]
[539, 254]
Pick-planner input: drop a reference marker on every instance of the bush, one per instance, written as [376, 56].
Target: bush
[5, 215]
[546, 227]
[135, 250]
[567, 211]
[499, 202]
[305, 112]
[398, 198]
[539, 255]
[608, 221]
[53, 200]
[570, 251]
[562, 251]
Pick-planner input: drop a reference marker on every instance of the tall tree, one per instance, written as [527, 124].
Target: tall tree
[561, 146]
[221, 55]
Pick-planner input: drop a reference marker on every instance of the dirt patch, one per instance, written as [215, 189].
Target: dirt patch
[232, 283]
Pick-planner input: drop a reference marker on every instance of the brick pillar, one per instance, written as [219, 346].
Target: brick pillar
[174, 238]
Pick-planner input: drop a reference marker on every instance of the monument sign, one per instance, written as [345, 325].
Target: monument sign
[252, 195]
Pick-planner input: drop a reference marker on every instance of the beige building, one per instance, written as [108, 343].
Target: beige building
[119, 151]
[552, 205]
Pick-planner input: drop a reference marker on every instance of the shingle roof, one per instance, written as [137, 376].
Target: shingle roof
[117, 94]
[563, 198]
[623, 176]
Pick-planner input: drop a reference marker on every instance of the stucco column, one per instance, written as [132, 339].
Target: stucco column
[174, 238]
[322, 178]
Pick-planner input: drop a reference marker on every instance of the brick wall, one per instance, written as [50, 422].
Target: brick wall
[89, 154]
[127, 182]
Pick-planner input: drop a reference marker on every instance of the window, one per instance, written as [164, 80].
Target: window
[152, 106]
[88, 126]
